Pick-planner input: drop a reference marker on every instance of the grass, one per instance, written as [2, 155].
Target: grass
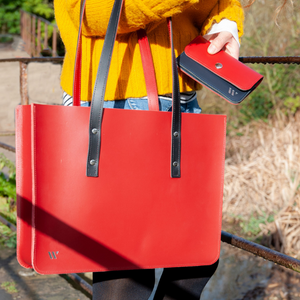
[7, 201]
[7, 237]
[9, 287]
[252, 226]
[7, 183]
[248, 227]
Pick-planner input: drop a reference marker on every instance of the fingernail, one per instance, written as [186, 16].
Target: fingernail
[212, 49]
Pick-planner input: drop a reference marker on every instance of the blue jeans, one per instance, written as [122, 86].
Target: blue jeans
[165, 104]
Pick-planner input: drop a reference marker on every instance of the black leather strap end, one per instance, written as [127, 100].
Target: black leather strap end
[176, 115]
[99, 92]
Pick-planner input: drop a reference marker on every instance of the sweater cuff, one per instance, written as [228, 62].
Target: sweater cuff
[225, 9]
[224, 25]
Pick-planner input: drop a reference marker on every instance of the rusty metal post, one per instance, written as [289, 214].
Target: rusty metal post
[39, 49]
[28, 27]
[46, 36]
[22, 24]
[28, 34]
[32, 50]
[24, 83]
[54, 42]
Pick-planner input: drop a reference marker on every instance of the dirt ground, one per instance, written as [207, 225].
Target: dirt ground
[240, 276]
[19, 283]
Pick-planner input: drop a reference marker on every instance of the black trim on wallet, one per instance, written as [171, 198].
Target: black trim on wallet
[212, 81]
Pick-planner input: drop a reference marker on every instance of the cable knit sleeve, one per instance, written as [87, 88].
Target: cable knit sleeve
[225, 9]
[135, 14]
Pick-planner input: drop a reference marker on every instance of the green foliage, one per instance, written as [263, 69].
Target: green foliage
[10, 13]
[7, 237]
[292, 103]
[5, 162]
[280, 90]
[251, 226]
[257, 106]
[10, 16]
[6, 39]
[9, 287]
[7, 201]
[39, 7]
[8, 185]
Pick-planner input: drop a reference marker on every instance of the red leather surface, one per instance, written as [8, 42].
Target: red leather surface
[24, 184]
[133, 215]
[233, 70]
[77, 77]
[148, 69]
[77, 67]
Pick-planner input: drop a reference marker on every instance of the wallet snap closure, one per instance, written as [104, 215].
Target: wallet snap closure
[218, 65]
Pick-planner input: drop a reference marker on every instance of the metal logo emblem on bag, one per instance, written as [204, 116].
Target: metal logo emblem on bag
[53, 255]
[232, 92]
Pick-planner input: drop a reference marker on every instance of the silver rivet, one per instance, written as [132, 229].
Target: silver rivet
[176, 134]
[92, 162]
[94, 130]
[218, 65]
[175, 164]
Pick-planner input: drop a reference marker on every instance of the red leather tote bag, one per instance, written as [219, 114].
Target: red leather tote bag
[121, 208]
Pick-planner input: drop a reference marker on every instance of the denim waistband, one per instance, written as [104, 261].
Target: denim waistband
[184, 98]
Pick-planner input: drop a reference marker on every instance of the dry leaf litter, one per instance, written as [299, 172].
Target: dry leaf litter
[262, 176]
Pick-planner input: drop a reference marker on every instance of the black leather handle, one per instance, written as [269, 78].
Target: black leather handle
[176, 114]
[96, 113]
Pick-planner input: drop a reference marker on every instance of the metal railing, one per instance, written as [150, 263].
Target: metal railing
[32, 29]
[71, 276]
[251, 247]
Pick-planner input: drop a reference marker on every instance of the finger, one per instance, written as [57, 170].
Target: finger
[219, 42]
[210, 37]
[232, 48]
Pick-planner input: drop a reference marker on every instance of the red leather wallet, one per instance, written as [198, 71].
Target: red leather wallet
[221, 73]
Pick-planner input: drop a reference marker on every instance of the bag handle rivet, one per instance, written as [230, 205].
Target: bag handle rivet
[218, 65]
[94, 130]
[92, 162]
[176, 134]
[175, 164]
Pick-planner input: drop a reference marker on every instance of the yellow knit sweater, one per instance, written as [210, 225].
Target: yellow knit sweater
[126, 79]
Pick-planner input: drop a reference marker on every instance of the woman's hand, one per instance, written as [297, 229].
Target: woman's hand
[223, 40]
